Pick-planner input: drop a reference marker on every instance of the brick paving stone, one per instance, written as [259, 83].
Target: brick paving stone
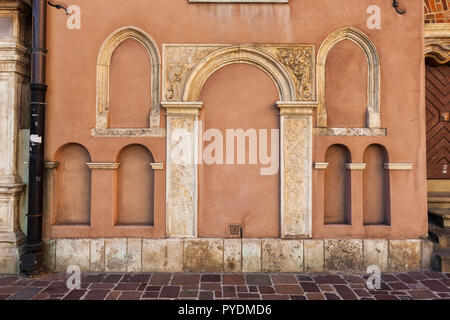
[151, 295]
[39, 283]
[443, 295]
[56, 287]
[114, 295]
[385, 297]
[211, 286]
[9, 290]
[304, 278]
[434, 274]
[170, 292]
[40, 296]
[25, 293]
[23, 282]
[297, 297]
[417, 275]
[188, 294]
[315, 296]
[112, 278]
[218, 294]
[389, 278]
[160, 279]
[153, 288]
[96, 295]
[253, 289]
[288, 289]
[101, 286]
[233, 279]
[406, 278]
[326, 288]
[258, 279]
[185, 279]
[329, 279]
[130, 295]
[92, 278]
[331, 296]
[446, 282]
[75, 295]
[126, 286]
[284, 279]
[210, 278]
[242, 289]
[345, 292]
[206, 295]
[6, 281]
[144, 277]
[275, 297]
[417, 286]
[266, 290]
[229, 291]
[3, 297]
[398, 286]
[248, 295]
[309, 287]
[362, 293]
[190, 287]
[435, 285]
[422, 294]
[353, 279]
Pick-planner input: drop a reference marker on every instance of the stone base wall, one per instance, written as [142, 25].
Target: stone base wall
[237, 255]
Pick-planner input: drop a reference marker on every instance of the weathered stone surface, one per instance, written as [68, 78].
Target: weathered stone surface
[426, 255]
[49, 255]
[296, 176]
[314, 255]
[134, 254]
[282, 255]
[97, 255]
[232, 255]
[72, 252]
[251, 255]
[205, 255]
[404, 255]
[343, 255]
[376, 253]
[115, 255]
[162, 255]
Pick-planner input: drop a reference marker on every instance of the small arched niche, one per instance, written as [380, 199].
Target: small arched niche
[73, 185]
[135, 187]
[376, 192]
[337, 186]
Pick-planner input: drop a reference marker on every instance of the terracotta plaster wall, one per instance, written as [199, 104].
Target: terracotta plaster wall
[71, 73]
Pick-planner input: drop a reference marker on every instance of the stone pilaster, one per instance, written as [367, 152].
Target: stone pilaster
[296, 167]
[182, 149]
[14, 74]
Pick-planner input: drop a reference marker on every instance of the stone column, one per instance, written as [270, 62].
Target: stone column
[14, 73]
[296, 168]
[181, 186]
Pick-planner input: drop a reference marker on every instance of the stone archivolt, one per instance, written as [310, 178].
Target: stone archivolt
[437, 42]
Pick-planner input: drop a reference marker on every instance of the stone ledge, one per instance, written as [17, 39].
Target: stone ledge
[236, 255]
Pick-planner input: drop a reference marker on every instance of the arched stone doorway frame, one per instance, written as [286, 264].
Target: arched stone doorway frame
[295, 144]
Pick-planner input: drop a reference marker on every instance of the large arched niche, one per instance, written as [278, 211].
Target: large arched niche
[295, 139]
[373, 79]
[239, 96]
[103, 80]
[239, 54]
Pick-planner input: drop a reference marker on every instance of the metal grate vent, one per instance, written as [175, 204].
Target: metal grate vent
[235, 231]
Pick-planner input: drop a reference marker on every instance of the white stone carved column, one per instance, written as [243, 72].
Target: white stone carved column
[14, 75]
[182, 149]
[296, 168]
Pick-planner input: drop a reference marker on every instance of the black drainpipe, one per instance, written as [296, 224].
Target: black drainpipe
[32, 259]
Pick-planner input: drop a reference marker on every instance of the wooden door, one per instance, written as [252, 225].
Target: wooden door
[438, 121]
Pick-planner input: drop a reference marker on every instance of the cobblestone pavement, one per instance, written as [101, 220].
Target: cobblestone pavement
[399, 286]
